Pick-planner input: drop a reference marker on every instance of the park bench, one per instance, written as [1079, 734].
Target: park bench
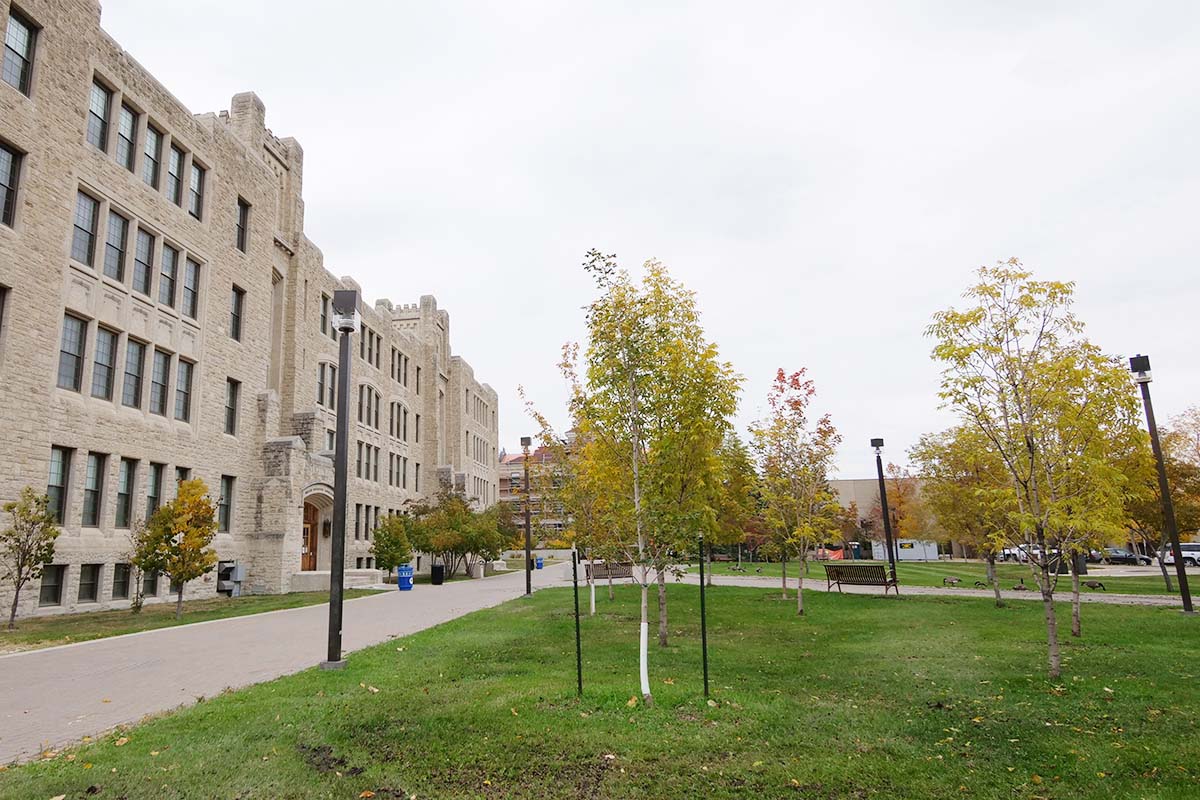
[604, 570]
[859, 575]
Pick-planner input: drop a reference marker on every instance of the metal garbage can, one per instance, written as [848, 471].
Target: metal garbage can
[437, 574]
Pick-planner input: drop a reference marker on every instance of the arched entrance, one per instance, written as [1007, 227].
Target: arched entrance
[308, 544]
[317, 521]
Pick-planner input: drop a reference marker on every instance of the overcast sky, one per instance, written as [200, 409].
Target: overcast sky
[825, 175]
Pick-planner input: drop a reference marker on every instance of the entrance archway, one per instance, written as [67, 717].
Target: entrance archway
[308, 543]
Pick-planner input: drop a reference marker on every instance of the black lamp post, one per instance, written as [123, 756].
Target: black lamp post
[1139, 365]
[525, 442]
[345, 322]
[884, 511]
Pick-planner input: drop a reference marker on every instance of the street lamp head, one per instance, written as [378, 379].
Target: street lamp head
[1139, 365]
[526, 441]
[345, 311]
[877, 444]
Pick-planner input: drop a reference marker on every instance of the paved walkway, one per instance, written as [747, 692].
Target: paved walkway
[816, 582]
[59, 695]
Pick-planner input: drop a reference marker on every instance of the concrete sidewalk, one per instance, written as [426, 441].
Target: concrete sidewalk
[55, 696]
[816, 583]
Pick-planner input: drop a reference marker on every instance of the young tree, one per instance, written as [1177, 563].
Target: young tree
[178, 538]
[738, 497]
[27, 546]
[910, 514]
[1018, 368]
[794, 460]
[965, 486]
[657, 399]
[390, 544]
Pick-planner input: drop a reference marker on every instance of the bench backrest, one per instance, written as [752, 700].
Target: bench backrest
[610, 570]
[858, 574]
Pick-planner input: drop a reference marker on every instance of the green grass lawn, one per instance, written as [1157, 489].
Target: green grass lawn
[865, 697]
[931, 573]
[35, 632]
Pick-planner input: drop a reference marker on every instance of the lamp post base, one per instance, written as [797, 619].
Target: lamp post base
[334, 664]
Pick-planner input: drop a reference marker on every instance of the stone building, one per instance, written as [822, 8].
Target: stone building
[162, 316]
[547, 517]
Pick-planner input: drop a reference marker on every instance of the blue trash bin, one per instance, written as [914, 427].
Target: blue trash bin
[404, 576]
[539, 562]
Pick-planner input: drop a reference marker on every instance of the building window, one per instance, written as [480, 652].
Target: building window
[152, 156]
[114, 246]
[166, 280]
[233, 390]
[104, 364]
[143, 261]
[160, 376]
[417, 477]
[175, 176]
[56, 486]
[237, 305]
[70, 355]
[83, 241]
[19, 40]
[181, 474]
[135, 364]
[89, 583]
[150, 584]
[243, 225]
[126, 134]
[191, 288]
[358, 464]
[330, 440]
[404, 423]
[125, 478]
[418, 380]
[417, 428]
[93, 489]
[324, 313]
[183, 391]
[52, 585]
[404, 472]
[154, 484]
[225, 503]
[10, 172]
[120, 585]
[98, 108]
[196, 191]
[358, 520]
[320, 384]
[332, 389]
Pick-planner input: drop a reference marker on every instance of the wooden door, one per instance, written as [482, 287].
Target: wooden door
[308, 548]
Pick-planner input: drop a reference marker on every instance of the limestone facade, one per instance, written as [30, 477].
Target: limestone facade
[162, 314]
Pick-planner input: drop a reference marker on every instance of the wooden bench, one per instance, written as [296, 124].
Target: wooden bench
[859, 575]
[605, 570]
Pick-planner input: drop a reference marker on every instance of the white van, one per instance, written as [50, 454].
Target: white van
[1190, 552]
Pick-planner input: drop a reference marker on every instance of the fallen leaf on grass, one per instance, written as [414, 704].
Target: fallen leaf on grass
[669, 681]
[366, 793]
[712, 703]
[124, 740]
[514, 712]
[372, 690]
[632, 702]
[59, 797]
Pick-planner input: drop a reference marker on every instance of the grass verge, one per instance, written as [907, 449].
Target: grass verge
[36, 632]
[865, 697]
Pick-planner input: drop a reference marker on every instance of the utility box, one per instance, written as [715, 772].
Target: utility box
[913, 550]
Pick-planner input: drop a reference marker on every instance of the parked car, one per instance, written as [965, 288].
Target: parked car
[1190, 552]
[1117, 555]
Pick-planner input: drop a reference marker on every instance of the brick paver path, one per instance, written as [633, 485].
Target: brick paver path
[59, 695]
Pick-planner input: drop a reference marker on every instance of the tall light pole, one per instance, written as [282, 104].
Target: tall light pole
[1139, 365]
[525, 442]
[345, 322]
[884, 511]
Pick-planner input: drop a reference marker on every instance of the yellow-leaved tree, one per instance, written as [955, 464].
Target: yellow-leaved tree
[177, 541]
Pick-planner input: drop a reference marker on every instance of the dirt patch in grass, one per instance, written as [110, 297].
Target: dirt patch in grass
[322, 759]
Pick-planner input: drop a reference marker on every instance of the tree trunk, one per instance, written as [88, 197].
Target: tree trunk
[610, 589]
[643, 636]
[1055, 657]
[1075, 628]
[1162, 565]
[783, 576]
[993, 580]
[179, 603]
[662, 608]
[592, 585]
[739, 554]
[12, 615]
[800, 590]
